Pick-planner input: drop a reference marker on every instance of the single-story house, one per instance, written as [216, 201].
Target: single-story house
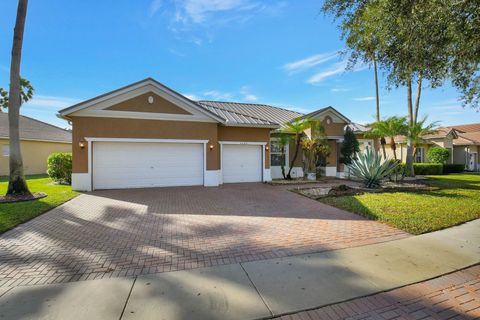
[467, 146]
[147, 135]
[37, 141]
[443, 138]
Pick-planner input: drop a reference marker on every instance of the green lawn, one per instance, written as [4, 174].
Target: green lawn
[456, 200]
[12, 214]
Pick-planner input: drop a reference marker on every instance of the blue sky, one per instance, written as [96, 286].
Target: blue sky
[274, 52]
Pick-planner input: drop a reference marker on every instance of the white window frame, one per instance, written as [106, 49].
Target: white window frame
[287, 152]
[6, 150]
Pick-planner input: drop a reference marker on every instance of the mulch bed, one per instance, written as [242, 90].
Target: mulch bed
[300, 181]
[344, 190]
[32, 196]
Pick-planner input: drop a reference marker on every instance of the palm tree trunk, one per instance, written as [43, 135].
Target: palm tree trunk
[282, 167]
[377, 100]
[393, 146]
[417, 99]
[298, 142]
[376, 86]
[17, 184]
[409, 172]
[383, 142]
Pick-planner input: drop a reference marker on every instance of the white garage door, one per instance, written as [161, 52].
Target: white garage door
[241, 163]
[138, 165]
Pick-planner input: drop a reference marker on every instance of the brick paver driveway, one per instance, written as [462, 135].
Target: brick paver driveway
[130, 232]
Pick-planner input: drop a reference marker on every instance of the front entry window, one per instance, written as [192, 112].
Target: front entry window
[278, 156]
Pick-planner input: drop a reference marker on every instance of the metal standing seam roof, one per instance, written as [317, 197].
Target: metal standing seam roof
[32, 129]
[248, 113]
[238, 118]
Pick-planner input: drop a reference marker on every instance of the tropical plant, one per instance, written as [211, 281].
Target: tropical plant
[416, 42]
[26, 93]
[283, 141]
[371, 168]
[438, 155]
[350, 147]
[296, 127]
[17, 185]
[391, 128]
[314, 146]
[419, 129]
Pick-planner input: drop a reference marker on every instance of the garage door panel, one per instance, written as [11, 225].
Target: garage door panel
[241, 163]
[136, 165]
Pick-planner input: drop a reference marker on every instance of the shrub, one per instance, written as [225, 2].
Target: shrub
[60, 167]
[428, 168]
[453, 168]
[371, 169]
[438, 155]
[399, 172]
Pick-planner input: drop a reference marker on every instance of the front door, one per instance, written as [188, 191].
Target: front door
[472, 162]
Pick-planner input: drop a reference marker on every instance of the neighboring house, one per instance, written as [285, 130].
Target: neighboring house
[37, 141]
[467, 146]
[147, 135]
[444, 138]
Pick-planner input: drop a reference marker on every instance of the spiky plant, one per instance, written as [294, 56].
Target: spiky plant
[371, 169]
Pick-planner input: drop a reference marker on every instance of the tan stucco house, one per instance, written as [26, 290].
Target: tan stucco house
[37, 141]
[467, 146]
[147, 135]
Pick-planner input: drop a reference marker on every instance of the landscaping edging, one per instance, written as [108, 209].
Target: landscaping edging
[30, 197]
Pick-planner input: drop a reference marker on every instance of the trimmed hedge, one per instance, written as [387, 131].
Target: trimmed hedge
[428, 168]
[453, 168]
[59, 167]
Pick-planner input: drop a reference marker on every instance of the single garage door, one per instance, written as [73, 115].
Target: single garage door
[241, 163]
[138, 165]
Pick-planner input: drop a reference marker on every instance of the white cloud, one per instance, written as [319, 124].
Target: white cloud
[247, 95]
[250, 97]
[51, 102]
[155, 5]
[217, 95]
[364, 99]
[336, 68]
[309, 62]
[339, 89]
[197, 11]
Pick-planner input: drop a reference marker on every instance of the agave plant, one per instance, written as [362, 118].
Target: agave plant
[371, 168]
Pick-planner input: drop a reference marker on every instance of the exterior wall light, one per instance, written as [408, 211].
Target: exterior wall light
[267, 147]
[211, 147]
[81, 144]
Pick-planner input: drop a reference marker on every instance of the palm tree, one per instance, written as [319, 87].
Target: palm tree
[390, 127]
[283, 141]
[297, 127]
[17, 184]
[315, 146]
[419, 129]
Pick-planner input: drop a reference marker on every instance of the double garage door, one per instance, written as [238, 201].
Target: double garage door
[143, 164]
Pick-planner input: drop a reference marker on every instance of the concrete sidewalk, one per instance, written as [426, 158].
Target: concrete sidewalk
[253, 290]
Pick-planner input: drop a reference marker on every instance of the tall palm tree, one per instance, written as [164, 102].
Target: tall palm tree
[419, 129]
[17, 185]
[283, 141]
[297, 128]
[391, 128]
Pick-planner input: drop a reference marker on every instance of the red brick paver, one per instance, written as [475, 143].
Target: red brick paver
[453, 296]
[129, 232]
